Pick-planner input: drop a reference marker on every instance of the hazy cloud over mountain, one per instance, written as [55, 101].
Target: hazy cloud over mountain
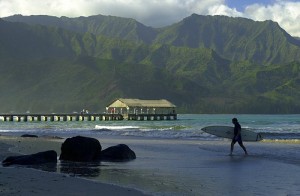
[159, 13]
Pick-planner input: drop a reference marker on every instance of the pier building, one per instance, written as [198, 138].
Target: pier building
[138, 109]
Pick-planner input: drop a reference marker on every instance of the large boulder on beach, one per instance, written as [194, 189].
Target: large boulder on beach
[80, 149]
[118, 153]
[32, 159]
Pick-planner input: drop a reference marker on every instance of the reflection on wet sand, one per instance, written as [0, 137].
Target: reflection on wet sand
[79, 169]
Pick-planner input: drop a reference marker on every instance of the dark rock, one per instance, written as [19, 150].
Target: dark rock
[33, 159]
[80, 149]
[119, 152]
[28, 135]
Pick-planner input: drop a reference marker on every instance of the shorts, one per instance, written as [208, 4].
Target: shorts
[238, 139]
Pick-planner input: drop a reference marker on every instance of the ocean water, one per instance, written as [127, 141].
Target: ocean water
[188, 126]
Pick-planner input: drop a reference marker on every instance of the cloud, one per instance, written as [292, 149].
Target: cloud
[150, 12]
[224, 10]
[284, 12]
[45, 7]
[158, 13]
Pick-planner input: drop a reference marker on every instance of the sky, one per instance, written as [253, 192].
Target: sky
[158, 13]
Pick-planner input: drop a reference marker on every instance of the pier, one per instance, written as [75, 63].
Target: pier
[59, 117]
[120, 109]
[84, 117]
[142, 117]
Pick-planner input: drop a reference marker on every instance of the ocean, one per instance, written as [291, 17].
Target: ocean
[188, 126]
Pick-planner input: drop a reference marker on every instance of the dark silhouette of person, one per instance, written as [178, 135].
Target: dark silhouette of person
[237, 136]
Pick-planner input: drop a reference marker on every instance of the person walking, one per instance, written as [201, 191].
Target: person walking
[237, 136]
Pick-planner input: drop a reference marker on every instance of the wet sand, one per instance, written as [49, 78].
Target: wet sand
[166, 167]
[17, 180]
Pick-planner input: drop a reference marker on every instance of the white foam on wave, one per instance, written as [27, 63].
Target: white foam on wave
[15, 130]
[10, 131]
[116, 127]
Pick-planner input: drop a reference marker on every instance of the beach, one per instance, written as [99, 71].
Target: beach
[19, 180]
[162, 167]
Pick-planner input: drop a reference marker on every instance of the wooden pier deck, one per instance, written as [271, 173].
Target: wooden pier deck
[84, 117]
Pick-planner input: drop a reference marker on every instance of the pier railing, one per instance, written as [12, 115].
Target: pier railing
[84, 117]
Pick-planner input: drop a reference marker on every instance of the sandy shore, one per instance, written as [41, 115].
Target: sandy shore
[20, 181]
[26, 181]
[162, 167]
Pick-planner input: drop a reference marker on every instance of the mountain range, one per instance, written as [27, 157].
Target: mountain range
[203, 64]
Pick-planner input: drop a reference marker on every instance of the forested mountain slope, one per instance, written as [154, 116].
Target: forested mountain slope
[204, 64]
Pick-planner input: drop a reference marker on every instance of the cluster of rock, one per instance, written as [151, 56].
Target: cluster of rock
[76, 149]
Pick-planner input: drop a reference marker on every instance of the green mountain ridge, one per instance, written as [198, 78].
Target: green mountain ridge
[236, 39]
[54, 69]
[109, 26]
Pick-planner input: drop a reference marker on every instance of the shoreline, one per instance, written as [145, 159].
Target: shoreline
[184, 167]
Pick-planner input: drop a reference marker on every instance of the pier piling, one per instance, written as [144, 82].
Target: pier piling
[84, 117]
